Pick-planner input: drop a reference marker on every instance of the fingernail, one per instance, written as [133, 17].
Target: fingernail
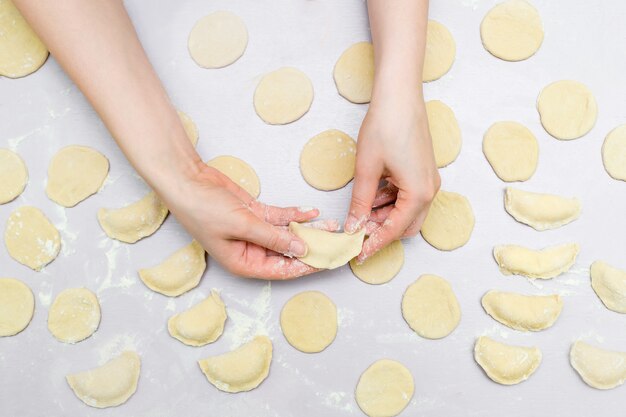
[305, 209]
[297, 248]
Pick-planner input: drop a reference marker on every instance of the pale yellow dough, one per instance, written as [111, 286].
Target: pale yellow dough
[109, 385]
[17, 306]
[217, 40]
[512, 30]
[384, 389]
[430, 307]
[440, 51]
[74, 315]
[283, 96]
[201, 324]
[21, 51]
[354, 73]
[178, 273]
[382, 266]
[541, 211]
[444, 131]
[613, 153]
[242, 369]
[609, 283]
[511, 150]
[449, 222]
[523, 312]
[506, 364]
[239, 172]
[13, 175]
[327, 160]
[567, 109]
[328, 250]
[599, 368]
[309, 321]
[536, 263]
[30, 238]
[190, 127]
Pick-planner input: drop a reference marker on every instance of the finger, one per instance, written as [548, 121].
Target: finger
[381, 214]
[271, 237]
[282, 216]
[330, 225]
[366, 181]
[371, 227]
[385, 195]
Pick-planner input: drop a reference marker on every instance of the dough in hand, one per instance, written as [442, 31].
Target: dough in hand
[543, 263]
[75, 173]
[283, 96]
[384, 389]
[609, 283]
[242, 369]
[567, 109]
[327, 160]
[613, 153]
[30, 238]
[134, 221]
[190, 127]
[309, 321]
[506, 364]
[540, 211]
[523, 312]
[201, 324]
[74, 315]
[109, 385]
[430, 307]
[217, 40]
[177, 274]
[382, 266]
[599, 368]
[17, 306]
[328, 250]
[21, 50]
[449, 222]
[445, 132]
[440, 51]
[13, 175]
[512, 30]
[511, 150]
[239, 172]
[354, 73]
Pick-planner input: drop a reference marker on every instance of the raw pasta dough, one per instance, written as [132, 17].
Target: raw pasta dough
[511, 150]
[599, 368]
[384, 389]
[506, 364]
[449, 222]
[540, 211]
[309, 321]
[354, 73]
[543, 263]
[445, 132]
[17, 306]
[239, 172]
[201, 324]
[327, 160]
[13, 175]
[283, 96]
[382, 266]
[609, 283]
[190, 127]
[523, 312]
[30, 238]
[74, 315]
[567, 109]
[218, 40]
[440, 51]
[613, 153]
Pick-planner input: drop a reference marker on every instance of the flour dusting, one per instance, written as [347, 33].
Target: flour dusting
[253, 319]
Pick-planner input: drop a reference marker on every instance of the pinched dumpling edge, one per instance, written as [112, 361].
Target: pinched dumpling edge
[543, 263]
[540, 211]
[488, 354]
[531, 312]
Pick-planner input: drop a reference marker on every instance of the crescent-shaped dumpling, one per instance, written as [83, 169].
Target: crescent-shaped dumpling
[543, 263]
[599, 368]
[201, 324]
[506, 364]
[109, 385]
[523, 312]
[610, 285]
[540, 211]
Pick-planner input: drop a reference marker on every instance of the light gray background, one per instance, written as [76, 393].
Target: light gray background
[584, 40]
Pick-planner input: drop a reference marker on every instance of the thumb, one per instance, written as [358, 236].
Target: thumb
[274, 238]
[364, 190]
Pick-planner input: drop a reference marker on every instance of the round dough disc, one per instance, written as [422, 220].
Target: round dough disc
[13, 176]
[21, 51]
[17, 305]
[440, 51]
[445, 132]
[327, 160]
[382, 267]
[384, 389]
[449, 222]
[430, 307]
[75, 173]
[512, 30]
[567, 109]
[190, 127]
[309, 321]
[614, 153]
[283, 96]
[354, 73]
[218, 40]
[511, 150]
[239, 172]
[74, 315]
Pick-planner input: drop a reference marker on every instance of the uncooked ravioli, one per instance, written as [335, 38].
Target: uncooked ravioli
[17, 306]
[449, 222]
[506, 364]
[609, 283]
[74, 315]
[613, 153]
[541, 211]
[440, 51]
[309, 321]
[354, 73]
[218, 40]
[445, 132]
[599, 368]
[382, 266]
[567, 109]
[283, 96]
[384, 389]
[511, 150]
[327, 160]
[201, 324]
[543, 263]
[13, 175]
[523, 312]
[239, 172]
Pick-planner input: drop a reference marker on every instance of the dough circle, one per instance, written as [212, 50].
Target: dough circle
[13, 175]
[511, 150]
[74, 315]
[512, 30]
[354, 73]
[449, 222]
[382, 266]
[567, 109]
[445, 132]
[309, 321]
[613, 153]
[327, 160]
[384, 389]
[217, 40]
[17, 306]
[430, 307]
[30, 238]
[239, 172]
[283, 96]
[75, 173]
[440, 51]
